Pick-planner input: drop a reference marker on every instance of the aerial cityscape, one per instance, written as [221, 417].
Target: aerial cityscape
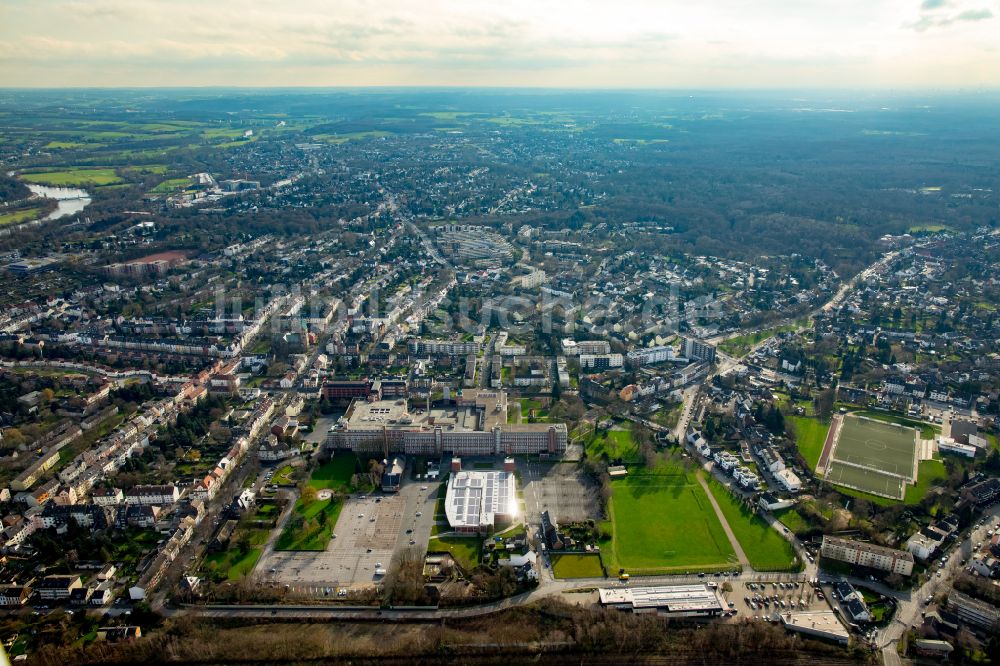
[413, 368]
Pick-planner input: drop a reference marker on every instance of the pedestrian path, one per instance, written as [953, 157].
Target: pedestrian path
[740, 555]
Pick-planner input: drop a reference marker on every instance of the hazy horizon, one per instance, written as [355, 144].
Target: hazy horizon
[633, 44]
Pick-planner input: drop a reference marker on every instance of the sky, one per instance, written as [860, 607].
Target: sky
[544, 43]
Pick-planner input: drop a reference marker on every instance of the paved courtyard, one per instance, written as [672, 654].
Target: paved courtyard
[366, 535]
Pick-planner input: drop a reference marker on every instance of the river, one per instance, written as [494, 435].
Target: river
[69, 200]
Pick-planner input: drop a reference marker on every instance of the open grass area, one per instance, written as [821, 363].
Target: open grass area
[929, 474]
[810, 435]
[74, 176]
[18, 216]
[65, 145]
[576, 565]
[350, 136]
[335, 474]
[465, 550]
[741, 344]
[615, 444]
[232, 562]
[764, 547]
[791, 519]
[662, 522]
[311, 525]
[284, 476]
[171, 185]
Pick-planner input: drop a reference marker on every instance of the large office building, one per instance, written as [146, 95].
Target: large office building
[477, 501]
[868, 555]
[474, 423]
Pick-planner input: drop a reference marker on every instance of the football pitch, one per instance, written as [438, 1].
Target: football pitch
[874, 457]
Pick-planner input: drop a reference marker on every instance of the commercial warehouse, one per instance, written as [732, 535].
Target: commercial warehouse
[672, 600]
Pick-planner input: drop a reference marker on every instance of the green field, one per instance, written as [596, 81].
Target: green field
[335, 474]
[311, 525]
[284, 476]
[741, 344]
[64, 145]
[234, 564]
[764, 547]
[884, 451]
[810, 435]
[614, 444]
[662, 522]
[575, 565]
[791, 519]
[350, 136]
[75, 176]
[171, 185]
[929, 473]
[464, 550]
[18, 216]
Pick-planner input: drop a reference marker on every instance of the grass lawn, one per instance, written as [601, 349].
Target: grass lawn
[73, 176]
[306, 530]
[171, 185]
[18, 216]
[765, 548]
[810, 435]
[574, 565]
[662, 521]
[614, 444]
[232, 562]
[284, 476]
[741, 344]
[791, 519]
[335, 474]
[929, 473]
[465, 550]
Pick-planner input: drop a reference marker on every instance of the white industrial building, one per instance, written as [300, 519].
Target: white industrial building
[674, 600]
[477, 501]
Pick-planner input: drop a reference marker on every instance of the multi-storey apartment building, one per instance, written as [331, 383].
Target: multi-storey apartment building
[868, 555]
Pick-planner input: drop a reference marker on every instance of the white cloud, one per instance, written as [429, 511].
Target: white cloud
[515, 42]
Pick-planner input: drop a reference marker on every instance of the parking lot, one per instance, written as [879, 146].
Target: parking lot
[560, 488]
[762, 600]
[366, 535]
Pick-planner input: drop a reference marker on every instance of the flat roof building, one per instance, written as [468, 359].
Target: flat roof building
[477, 500]
[474, 424]
[674, 600]
[821, 624]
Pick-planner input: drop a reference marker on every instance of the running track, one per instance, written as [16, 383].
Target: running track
[831, 437]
